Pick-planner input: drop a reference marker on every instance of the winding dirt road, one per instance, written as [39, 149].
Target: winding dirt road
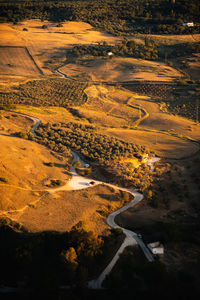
[78, 182]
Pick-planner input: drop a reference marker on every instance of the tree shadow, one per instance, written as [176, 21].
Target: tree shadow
[108, 197]
[53, 165]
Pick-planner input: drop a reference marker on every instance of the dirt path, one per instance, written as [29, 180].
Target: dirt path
[78, 182]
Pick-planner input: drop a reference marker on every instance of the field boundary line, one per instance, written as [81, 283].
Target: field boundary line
[144, 111]
[31, 57]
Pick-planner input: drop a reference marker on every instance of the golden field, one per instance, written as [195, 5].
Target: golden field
[120, 69]
[26, 177]
[113, 110]
[61, 210]
[164, 145]
[25, 198]
[17, 61]
[51, 43]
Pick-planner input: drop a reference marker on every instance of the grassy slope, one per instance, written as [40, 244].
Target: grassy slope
[157, 123]
[60, 211]
[50, 44]
[121, 70]
[23, 174]
[44, 44]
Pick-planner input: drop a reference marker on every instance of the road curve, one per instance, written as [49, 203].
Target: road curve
[130, 240]
[78, 182]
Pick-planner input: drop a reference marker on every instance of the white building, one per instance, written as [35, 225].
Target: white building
[156, 248]
[189, 24]
[110, 53]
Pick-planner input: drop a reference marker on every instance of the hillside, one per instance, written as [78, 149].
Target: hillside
[99, 156]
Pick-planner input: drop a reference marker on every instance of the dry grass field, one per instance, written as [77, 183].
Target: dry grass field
[61, 210]
[163, 121]
[50, 44]
[168, 39]
[17, 61]
[47, 114]
[23, 197]
[11, 122]
[150, 131]
[120, 69]
[106, 106]
[25, 177]
[110, 107]
[162, 144]
[106, 103]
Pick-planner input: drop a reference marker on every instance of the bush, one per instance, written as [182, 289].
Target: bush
[124, 196]
[4, 222]
[3, 179]
[21, 134]
[153, 203]
[50, 164]
[77, 164]
[117, 231]
[55, 183]
[88, 172]
[103, 213]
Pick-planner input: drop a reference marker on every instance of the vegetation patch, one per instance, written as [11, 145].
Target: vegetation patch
[106, 151]
[184, 101]
[55, 183]
[179, 50]
[111, 16]
[3, 179]
[48, 92]
[128, 48]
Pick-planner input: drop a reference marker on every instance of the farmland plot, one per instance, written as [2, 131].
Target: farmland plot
[17, 61]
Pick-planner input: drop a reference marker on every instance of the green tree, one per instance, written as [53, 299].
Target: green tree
[76, 164]
[149, 194]
[70, 256]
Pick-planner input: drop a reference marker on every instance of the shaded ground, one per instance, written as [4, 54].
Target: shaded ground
[172, 216]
